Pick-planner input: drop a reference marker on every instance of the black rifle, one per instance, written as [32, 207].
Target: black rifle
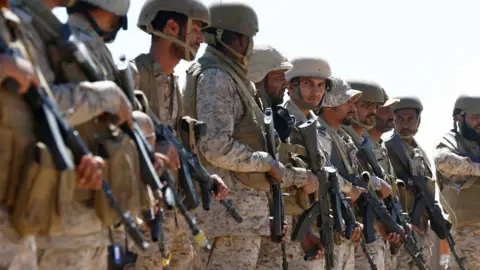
[332, 208]
[54, 131]
[426, 201]
[191, 163]
[127, 84]
[276, 205]
[392, 203]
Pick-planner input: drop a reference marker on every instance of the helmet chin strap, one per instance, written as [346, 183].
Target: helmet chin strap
[298, 97]
[364, 126]
[243, 57]
[189, 51]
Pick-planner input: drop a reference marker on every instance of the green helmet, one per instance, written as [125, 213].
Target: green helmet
[117, 7]
[194, 10]
[308, 67]
[409, 102]
[371, 91]
[234, 17]
[470, 104]
[265, 59]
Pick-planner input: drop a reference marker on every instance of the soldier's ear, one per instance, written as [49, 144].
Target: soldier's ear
[172, 28]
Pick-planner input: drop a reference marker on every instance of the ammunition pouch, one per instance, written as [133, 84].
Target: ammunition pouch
[41, 194]
[121, 171]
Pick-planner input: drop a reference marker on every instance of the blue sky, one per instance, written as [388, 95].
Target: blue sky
[425, 48]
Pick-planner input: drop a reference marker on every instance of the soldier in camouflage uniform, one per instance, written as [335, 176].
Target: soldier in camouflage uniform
[456, 160]
[366, 105]
[308, 82]
[401, 147]
[384, 122]
[176, 30]
[338, 108]
[18, 161]
[83, 239]
[266, 68]
[219, 93]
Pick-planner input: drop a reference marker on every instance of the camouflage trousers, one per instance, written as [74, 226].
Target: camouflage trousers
[344, 256]
[270, 256]
[77, 258]
[376, 250]
[467, 240]
[390, 259]
[16, 253]
[233, 252]
[178, 244]
[404, 260]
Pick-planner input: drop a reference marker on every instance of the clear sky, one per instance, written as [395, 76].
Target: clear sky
[426, 48]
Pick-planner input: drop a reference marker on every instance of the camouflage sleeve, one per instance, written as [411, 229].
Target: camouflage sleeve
[87, 100]
[446, 161]
[295, 176]
[215, 106]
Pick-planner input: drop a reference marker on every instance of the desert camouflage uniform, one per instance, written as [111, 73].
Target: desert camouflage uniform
[384, 161]
[270, 253]
[16, 252]
[404, 260]
[459, 176]
[83, 240]
[164, 101]
[377, 248]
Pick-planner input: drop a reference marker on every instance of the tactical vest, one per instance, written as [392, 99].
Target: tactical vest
[148, 85]
[121, 157]
[463, 202]
[250, 130]
[30, 185]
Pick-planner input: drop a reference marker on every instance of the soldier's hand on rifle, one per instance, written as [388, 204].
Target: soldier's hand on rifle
[168, 150]
[221, 190]
[312, 184]
[393, 238]
[355, 193]
[357, 233]
[20, 70]
[124, 111]
[310, 242]
[385, 190]
[89, 172]
[284, 231]
[162, 161]
[276, 171]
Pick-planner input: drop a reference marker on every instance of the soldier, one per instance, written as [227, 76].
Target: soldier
[338, 108]
[401, 146]
[384, 122]
[83, 240]
[176, 30]
[456, 160]
[266, 68]
[366, 106]
[22, 169]
[219, 93]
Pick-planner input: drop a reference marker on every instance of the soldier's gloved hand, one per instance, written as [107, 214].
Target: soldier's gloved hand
[355, 193]
[124, 111]
[312, 241]
[168, 150]
[276, 171]
[221, 190]
[89, 172]
[312, 184]
[20, 70]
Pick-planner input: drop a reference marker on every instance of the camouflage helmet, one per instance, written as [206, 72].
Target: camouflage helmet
[117, 7]
[235, 17]
[371, 91]
[265, 59]
[194, 10]
[408, 102]
[309, 67]
[470, 104]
